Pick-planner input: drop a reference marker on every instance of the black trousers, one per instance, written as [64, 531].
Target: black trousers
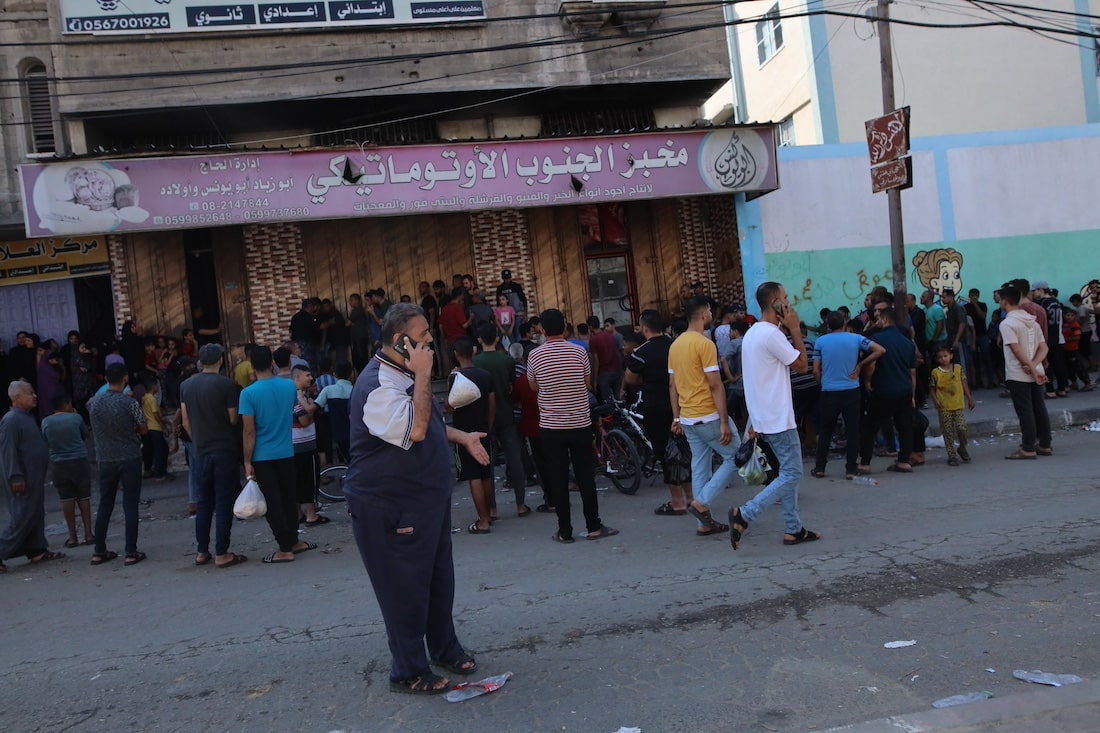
[406, 548]
[1031, 410]
[276, 482]
[830, 406]
[881, 410]
[562, 448]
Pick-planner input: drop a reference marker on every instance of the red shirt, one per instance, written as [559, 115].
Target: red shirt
[602, 344]
[528, 403]
[452, 321]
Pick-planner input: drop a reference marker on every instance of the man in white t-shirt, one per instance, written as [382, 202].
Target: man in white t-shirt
[767, 360]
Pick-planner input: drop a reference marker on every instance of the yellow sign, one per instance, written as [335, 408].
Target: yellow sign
[53, 258]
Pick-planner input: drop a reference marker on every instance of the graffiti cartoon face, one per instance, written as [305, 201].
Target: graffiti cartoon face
[949, 276]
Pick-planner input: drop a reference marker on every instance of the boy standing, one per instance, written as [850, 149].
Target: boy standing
[65, 433]
[477, 416]
[155, 448]
[948, 389]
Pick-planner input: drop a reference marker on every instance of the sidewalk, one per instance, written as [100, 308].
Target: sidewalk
[994, 415]
[1071, 709]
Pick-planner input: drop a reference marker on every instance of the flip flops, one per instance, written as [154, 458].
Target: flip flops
[605, 531]
[272, 560]
[236, 560]
[474, 529]
[321, 519]
[1021, 456]
[309, 546]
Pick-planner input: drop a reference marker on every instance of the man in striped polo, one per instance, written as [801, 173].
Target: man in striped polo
[561, 375]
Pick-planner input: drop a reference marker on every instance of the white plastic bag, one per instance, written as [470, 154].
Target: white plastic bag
[251, 503]
[463, 392]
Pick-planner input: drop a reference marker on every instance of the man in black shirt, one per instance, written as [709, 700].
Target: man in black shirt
[207, 326]
[306, 330]
[981, 354]
[512, 290]
[648, 368]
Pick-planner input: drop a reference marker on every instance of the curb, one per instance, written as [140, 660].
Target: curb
[1074, 708]
[1059, 420]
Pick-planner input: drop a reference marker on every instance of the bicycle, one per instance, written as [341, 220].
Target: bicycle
[616, 456]
[330, 481]
[629, 420]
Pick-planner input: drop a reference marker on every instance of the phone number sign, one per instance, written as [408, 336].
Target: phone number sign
[102, 17]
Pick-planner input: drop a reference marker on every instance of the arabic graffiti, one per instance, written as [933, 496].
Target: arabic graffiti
[50, 259]
[736, 166]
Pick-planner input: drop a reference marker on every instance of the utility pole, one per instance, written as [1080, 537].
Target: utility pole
[893, 195]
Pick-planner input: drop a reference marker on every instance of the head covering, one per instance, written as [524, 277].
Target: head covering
[1040, 285]
[211, 354]
[738, 307]
[506, 274]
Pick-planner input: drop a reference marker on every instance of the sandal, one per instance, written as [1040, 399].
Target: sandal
[707, 531]
[896, 468]
[72, 543]
[427, 683]
[236, 560]
[309, 546]
[105, 557]
[462, 664]
[667, 510]
[1044, 451]
[706, 518]
[738, 526]
[802, 535]
[272, 560]
[474, 529]
[563, 540]
[1020, 456]
[133, 558]
[605, 531]
[46, 557]
[818, 473]
[545, 509]
[526, 511]
[321, 519]
[202, 558]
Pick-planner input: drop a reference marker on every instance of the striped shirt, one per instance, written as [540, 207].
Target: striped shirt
[561, 371]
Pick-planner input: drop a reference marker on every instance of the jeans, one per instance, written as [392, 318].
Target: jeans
[111, 475]
[508, 442]
[560, 449]
[830, 406]
[983, 360]
[788, 449]
[703, 438]
[219, 486]
[194, 472]
[1031, 410]
[608, 386]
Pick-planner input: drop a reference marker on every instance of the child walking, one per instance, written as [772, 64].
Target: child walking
[948, 390]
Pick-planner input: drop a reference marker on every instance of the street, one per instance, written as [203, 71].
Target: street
[989, 567]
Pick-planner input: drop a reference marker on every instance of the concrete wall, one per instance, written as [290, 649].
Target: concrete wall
[956, 80]
[1009, 204]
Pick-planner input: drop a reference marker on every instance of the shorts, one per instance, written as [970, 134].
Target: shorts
[468, 468]
[72, 479]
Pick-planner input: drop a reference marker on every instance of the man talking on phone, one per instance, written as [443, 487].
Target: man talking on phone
[398, 488]
[767, 360]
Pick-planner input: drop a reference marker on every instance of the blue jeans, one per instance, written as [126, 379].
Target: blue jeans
[703, 438]
[219, 479]
[788, 449]
[111, 475]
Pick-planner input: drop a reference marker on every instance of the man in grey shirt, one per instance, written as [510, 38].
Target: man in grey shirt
[209, 410]
[117, 425]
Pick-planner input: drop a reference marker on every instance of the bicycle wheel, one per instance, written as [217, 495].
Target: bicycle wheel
[621, 463]
[331, 485]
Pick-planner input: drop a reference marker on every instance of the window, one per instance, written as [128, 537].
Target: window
[40, 109]
[785, 132]
[769, 35]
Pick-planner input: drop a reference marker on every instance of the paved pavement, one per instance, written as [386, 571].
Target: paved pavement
[993, 415]
[989, 567]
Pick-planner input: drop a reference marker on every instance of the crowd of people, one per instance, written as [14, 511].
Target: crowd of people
[522, 388]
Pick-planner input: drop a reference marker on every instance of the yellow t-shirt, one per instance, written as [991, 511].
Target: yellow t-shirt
[152, 412]
[690, 357]
[243, 375]
[948, 387]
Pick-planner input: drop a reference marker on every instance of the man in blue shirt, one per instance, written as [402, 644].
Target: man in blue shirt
[837, 366]
[265, 408]
[892, 391]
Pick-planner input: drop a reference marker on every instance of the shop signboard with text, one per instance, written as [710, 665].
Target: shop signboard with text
[52, 258]
[149, 194]
[103, 17]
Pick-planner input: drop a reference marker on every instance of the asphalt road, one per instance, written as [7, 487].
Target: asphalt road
[988, 567]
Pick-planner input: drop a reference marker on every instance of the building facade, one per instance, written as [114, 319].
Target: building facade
[130, 92]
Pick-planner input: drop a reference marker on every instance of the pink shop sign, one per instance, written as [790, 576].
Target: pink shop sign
[182, 192]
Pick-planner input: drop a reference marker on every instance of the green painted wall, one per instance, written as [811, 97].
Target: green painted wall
[832, 278]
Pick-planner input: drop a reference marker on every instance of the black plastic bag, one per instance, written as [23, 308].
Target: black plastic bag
[677, 460]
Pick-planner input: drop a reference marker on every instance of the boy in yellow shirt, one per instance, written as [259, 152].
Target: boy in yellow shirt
[948, 389]
[154, 443]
